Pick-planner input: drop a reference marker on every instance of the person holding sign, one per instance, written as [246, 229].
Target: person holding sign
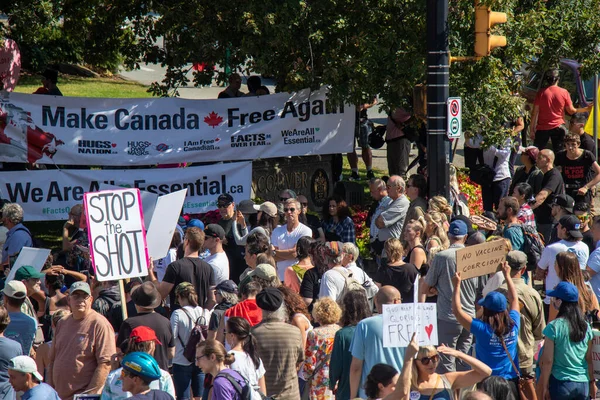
[496, 334]
[419, 376]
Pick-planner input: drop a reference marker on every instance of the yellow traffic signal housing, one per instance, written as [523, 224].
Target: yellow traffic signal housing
[485, 19]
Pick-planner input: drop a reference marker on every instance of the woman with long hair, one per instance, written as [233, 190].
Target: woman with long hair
[416, 253]
[294, 274]
[247, 361]
[142, 339]
[319, 344]
[435, 236]
[497, 331]
[524, 193]
[418, 374]
[297, 311]
[311, 282]
[337, 224]
[186, 374]
[567, 370]
[440, 204]
[355, 308]
[528, 173]
[568, 270]
[212, 358]
[397, 273]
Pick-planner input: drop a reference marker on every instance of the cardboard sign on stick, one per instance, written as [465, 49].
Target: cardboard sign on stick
[116, 233]
[400, 321]
[161, 229]
[481, 259]
[29, 256]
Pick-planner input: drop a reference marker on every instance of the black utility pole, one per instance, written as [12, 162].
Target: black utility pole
[438, 65]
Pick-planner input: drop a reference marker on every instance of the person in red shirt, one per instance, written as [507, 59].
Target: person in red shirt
[547, 116]
[247, 309]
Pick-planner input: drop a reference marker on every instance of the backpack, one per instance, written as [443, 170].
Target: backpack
[350, 283]
[532, 247]
[245, 392]
[197, 335]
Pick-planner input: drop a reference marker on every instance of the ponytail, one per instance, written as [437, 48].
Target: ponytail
[240, 327]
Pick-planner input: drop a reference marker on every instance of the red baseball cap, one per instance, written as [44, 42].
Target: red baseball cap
[144, 334]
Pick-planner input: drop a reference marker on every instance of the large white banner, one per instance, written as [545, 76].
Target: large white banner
[90, 131]
[49, 195]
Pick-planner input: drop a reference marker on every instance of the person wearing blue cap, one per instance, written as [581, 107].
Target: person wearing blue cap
[567, 370]
[497, 332]
[439, 277]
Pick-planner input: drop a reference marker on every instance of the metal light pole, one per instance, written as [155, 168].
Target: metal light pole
[438, 65]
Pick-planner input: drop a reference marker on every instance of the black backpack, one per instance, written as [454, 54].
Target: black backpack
[532, 247]
[244, 392]
[197, 335]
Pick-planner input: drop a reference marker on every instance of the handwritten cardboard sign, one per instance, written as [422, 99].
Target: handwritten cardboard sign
[116, 233]
[400, 321]
[481, 259]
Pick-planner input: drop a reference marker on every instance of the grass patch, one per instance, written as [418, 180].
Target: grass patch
[76, 86]
[362, 172]
[47, 232]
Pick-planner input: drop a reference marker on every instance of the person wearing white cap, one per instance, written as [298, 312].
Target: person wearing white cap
[24, 378]
[22, 327]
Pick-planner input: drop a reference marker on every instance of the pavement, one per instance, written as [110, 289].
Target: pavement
[149, 73]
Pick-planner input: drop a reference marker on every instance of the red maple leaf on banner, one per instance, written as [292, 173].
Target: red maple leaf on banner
[213, 119]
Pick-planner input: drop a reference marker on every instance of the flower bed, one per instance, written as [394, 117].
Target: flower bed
[472, 192]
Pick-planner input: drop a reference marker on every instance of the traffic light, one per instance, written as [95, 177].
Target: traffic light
[485, 19]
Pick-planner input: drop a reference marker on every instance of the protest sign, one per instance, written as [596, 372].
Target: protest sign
[481, 259]
[119, 131]
[116, 233]
[29, 256]
[161, 229]
[596, 353]
[148, 201]
[400, 321]
[49, 195]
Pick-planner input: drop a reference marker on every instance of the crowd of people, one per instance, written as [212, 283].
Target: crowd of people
[274, 300]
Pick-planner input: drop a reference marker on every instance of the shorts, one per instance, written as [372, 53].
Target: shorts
[362, 131]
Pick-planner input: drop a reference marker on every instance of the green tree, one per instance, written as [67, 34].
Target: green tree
[357, 47]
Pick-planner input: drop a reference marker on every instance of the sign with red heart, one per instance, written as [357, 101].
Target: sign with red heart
[400, 321]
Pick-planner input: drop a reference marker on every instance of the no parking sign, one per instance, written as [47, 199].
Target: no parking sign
[454, 117]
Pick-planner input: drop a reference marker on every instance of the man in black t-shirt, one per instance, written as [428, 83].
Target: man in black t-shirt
[146, 298]
[189, 269]
[579, 169]
[552, 185]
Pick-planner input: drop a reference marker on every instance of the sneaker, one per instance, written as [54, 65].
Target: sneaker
[354, 176]
[370, 174]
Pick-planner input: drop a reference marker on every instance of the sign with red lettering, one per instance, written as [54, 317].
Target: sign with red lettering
[117, 234]
[482, 259]
[400, 321]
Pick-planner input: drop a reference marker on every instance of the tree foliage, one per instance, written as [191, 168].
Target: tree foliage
[358, 47]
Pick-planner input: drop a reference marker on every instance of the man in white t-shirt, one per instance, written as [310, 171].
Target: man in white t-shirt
[285, 237]
[571, 240]
[214, 235]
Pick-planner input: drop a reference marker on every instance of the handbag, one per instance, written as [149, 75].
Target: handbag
[525, 388]
[306, 391]
[483, 174]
